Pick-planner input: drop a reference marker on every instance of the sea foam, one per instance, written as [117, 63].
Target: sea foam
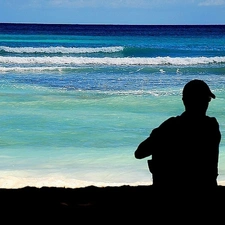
[63, 50]
[111, 61]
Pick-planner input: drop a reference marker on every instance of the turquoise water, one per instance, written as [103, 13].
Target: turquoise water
[77, 100]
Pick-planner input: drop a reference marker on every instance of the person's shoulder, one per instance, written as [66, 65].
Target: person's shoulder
[214, 127]
[212, 120]
[170, 121]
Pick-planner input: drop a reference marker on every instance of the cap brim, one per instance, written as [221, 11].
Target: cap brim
[212, 95]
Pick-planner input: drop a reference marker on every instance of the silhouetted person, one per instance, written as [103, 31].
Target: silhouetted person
[185, 148]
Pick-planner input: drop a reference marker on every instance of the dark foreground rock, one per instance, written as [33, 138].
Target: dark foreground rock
[110, 205]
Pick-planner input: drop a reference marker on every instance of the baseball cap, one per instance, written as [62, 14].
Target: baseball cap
[197, 89]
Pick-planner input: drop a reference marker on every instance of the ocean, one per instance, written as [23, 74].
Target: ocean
[76, 100]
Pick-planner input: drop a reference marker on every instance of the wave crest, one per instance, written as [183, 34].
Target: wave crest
[63, 50]
[110, 61]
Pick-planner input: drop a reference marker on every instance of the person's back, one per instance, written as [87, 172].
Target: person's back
[184, 153]
[185, 148]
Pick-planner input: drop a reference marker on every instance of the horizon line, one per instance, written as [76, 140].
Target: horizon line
[110, 24]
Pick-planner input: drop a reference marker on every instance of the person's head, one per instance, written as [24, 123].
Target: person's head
[196, 97]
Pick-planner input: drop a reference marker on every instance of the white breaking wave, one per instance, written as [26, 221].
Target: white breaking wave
[22, 179]
[63, 50]
[35, 61]
[33, 69]
[58, 181]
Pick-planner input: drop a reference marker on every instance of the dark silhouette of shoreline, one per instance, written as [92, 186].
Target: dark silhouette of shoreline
[110, 204]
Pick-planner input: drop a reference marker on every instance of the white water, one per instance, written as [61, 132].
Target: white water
[63, 50]
[110, 61]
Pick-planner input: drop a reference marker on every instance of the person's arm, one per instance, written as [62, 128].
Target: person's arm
[146, 147]
[150, 144]
[143, 150]
[217, 137]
